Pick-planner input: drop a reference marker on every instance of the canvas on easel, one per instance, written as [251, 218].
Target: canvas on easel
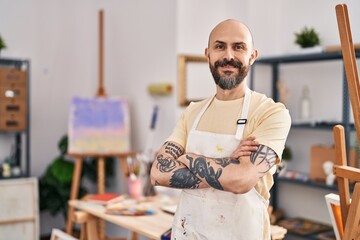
[333, 205]
[99, 125]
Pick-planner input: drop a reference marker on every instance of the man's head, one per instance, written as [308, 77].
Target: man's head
[230, 53]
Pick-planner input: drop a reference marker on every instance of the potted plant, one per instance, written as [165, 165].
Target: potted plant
[55, 183]
[286, 156]
[2, 44]
[307, 37]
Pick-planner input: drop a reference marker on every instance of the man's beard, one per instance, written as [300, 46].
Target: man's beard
[229, 82]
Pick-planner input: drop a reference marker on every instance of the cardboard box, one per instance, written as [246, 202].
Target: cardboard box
[320, 154]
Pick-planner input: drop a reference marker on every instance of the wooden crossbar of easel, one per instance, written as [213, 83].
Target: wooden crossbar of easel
[350, 209]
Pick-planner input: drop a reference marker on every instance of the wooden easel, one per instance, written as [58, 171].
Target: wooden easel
[101, 93]
[350, 210]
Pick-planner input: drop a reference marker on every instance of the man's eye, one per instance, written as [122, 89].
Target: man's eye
[239, 47]
[219, 46]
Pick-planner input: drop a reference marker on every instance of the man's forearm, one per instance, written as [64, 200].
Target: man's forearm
[170, 172]
[230, 174]
[208, 169]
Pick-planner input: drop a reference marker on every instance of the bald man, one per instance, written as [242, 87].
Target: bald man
[225, 180]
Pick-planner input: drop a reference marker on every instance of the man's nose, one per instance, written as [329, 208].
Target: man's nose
[229, 54]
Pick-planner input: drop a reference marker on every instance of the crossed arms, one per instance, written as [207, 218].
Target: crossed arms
[237, 173]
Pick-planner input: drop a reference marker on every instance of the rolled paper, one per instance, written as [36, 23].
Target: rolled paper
[160, 89]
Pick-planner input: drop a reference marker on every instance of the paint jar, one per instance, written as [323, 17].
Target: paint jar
[135, 188]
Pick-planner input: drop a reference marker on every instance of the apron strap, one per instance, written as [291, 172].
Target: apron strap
[244, 113]
[197, 120]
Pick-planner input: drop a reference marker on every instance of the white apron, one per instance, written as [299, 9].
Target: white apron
[214, 214]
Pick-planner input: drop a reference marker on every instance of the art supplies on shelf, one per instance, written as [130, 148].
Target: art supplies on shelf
[104, 198]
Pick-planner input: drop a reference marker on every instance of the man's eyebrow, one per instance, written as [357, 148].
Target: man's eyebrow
[236, 43]
[219, 42]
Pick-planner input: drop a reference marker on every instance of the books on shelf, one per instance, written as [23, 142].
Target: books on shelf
[104, 198]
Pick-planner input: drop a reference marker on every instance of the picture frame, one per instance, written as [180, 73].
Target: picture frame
[333, 206]
[184, 62]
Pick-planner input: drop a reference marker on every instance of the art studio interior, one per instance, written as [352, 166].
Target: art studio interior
[90, 90]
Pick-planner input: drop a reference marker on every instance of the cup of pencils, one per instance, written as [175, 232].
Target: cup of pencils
[135, 187]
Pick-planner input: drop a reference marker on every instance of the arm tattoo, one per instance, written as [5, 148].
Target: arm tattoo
[226, 161]
[266, 154]
[165, 164]
[200, 167]
[182, 177]
[203, 169]
[172, 149]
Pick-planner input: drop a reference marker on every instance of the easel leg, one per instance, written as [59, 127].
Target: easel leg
[101, 189]
[74, 193]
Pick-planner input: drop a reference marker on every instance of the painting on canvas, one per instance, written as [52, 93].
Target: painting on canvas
[98, 126]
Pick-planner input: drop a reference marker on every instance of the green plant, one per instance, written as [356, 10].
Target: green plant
[287, 154]
[307, 37]
[2, 43]
[55, 183]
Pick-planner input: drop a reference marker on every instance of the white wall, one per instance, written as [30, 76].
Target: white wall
[142, 40]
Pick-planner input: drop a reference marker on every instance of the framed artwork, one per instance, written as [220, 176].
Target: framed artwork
[194, 79]
[99, 126]
[333, 205]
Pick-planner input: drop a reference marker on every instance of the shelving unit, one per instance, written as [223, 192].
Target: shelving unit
[275, 64]
[15, 111]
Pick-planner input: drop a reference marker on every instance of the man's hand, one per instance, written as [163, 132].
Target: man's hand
[245, 148]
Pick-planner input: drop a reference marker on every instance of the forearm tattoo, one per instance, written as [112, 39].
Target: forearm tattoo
[264, 154]
[182, 177]
[165, 164]
[226, 161]
[200, 167]
[172, 149]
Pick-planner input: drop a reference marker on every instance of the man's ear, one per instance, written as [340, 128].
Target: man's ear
[206, 52]
[254, 56]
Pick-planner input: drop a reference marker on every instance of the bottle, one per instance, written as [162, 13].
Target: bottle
[305, 104]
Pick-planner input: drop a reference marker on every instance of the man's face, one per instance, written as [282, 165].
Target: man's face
[230, 54]
[229, 74]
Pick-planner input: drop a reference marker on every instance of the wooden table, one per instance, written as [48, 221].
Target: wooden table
[150, 226]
